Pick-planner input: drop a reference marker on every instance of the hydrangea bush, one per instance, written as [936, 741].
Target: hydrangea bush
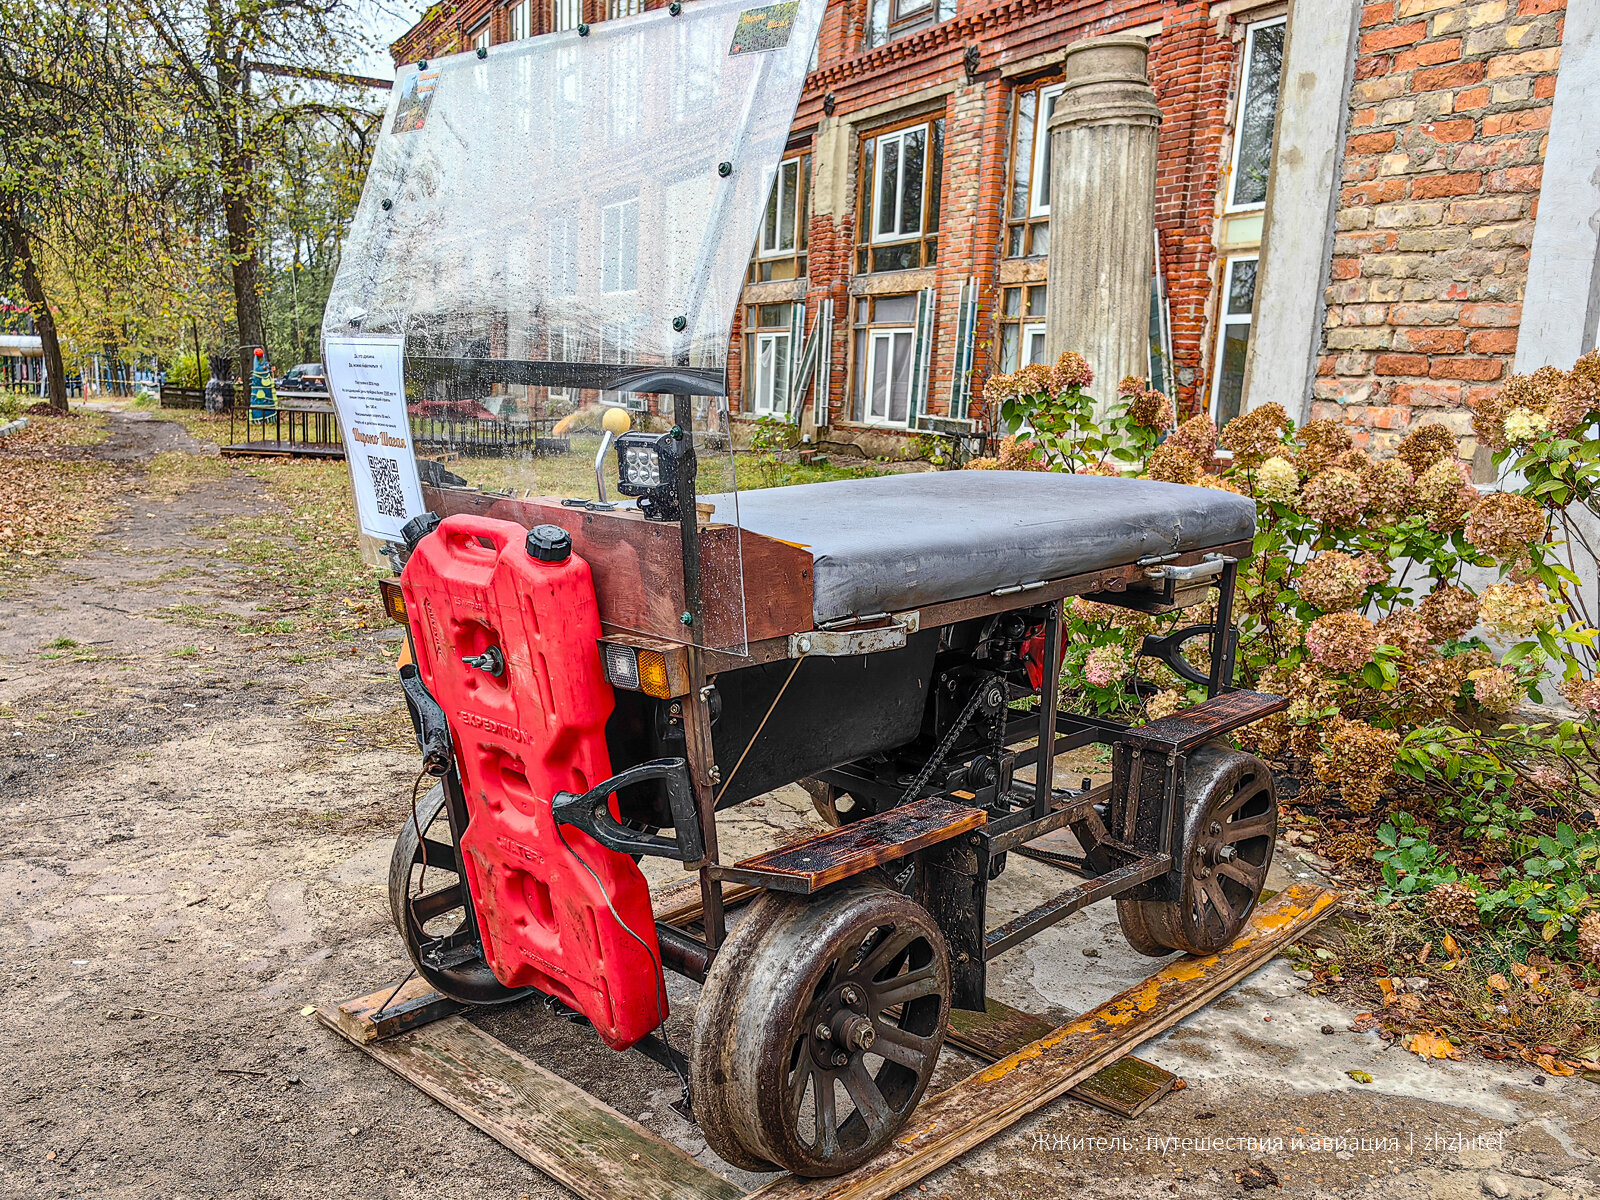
[1407, 615]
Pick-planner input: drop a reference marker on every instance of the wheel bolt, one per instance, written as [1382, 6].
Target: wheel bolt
[850, 996]
[822, 1033]
[1227, 854]
[841, 1059]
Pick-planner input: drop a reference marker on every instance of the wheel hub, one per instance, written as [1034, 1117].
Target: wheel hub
[842, 1027]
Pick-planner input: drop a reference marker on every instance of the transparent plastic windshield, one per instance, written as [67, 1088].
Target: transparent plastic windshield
[560, 230]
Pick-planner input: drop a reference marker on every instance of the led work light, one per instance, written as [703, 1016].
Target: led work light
[647, 467]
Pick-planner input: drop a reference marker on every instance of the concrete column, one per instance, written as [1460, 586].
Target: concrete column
[1102, 209]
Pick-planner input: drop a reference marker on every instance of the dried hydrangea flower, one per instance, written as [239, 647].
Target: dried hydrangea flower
[1164, 704]
[1172, 463]
[1105, 665]
[1151, 410]
[1583, 381]
[1497, 691]
[999, 388]
[1106, 469]
[1332, 582]
[1275, 479]
[1323, 441]
[1034, 380]
[1218, 484]
[1489, 420]
[1524, 425]
[1334, 497]
[1504, 524]
[1448, 612]
[1426, 445]
[1198, 436]
[1071, 371]
[1131, 385]
[1390, 489]
[1517, 610]
[1341, 642]
[1256, 435]
[1374, 567]
[1583, 695]
[1444, 494]
[1405, 631]
[1358, 759]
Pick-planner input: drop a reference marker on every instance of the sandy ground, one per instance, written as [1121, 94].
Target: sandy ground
[190, 855]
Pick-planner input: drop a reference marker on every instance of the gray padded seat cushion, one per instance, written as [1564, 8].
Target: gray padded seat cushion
[898, 542]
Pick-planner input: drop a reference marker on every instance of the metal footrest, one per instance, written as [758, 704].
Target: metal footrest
[1183, 731]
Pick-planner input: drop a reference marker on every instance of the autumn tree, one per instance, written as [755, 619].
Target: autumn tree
[235, 72]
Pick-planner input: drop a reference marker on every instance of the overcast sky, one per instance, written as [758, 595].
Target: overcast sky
[387, 20]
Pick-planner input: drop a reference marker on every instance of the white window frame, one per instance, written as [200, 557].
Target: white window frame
[1238, 113]
[480, 37]
[1042, 111]
[764, 399]
[615, 267]
[517, 22]
[565, 14]
[785, 219]
[623, 8]
[560, 341]
[1225, 321]
[899, 135]
[1029, 332]
[888, 334]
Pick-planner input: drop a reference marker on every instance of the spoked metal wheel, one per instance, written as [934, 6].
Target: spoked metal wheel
[824, 1025]
[428, 900]
[1230, 829]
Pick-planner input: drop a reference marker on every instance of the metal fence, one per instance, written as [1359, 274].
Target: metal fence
[304, 424]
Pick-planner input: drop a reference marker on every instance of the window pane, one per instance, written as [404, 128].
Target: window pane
[1040, 242]
[888, 182]
[896, 258]
[1230, 381]
[1033, 344]
[1242, 287]
[763, 394]
[935, 177]
[789, 177]
[769, 223]
[1037, 296]
[630, 245]
[1041, 199]
[780, 373]
[1257, 111]
[878, 23]
[900, 380]
[861, 375]
[1009, 334]
[773, 316]
[894, 309]
[910, 8]
[911, 177]
[881, 356]
[803, 212]
[1022, 153]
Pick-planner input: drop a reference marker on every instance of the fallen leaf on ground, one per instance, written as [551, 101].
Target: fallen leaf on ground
[1499, 983]
[1428, 1044]
[1255, 1176]
[1359, 1076]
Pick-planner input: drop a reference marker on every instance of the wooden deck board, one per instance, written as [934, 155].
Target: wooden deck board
[558, 1127]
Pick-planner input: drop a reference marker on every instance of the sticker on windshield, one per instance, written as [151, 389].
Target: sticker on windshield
[763, 28]
[415, 100]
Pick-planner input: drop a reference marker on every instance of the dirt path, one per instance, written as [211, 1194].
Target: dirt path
[193, 839]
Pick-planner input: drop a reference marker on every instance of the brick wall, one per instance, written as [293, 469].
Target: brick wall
[1442, 167]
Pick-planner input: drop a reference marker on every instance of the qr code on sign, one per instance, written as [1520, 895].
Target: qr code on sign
[386, 486]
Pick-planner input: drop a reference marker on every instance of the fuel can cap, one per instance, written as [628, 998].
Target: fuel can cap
[549, 543]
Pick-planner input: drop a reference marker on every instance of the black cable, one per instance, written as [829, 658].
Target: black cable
[661, 982]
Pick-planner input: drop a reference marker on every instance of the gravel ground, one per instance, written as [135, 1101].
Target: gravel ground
[193, 841]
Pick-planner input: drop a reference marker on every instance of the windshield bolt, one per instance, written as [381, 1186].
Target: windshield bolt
[482, 53]
[583, 29]
[724, 169]
[387, 204]
[675, 8]
[687, 618]
[680, 323]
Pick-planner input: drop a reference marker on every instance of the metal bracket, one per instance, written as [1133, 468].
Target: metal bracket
[1169, 650]
[847, 643]
[591, 813]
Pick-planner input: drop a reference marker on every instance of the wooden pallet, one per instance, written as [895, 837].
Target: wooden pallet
[602, 1155]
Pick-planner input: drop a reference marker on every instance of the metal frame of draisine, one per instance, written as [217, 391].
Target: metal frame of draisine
[909, 729]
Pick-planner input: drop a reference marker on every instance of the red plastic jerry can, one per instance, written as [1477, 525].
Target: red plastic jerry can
[527, 719]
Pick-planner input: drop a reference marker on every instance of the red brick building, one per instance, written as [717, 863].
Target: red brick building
[1344, 215]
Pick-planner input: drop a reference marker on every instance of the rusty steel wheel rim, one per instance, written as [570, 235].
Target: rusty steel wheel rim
[1230, 855]
[869, 1039]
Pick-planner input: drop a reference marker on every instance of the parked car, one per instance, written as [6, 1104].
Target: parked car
[306, 377]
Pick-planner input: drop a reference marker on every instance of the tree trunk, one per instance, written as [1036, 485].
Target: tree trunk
[238, 208]
[43, 320]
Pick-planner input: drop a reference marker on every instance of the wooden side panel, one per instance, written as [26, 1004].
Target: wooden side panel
[811, 865]
[964, 1116]
[555, 1125]
[752, 587]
